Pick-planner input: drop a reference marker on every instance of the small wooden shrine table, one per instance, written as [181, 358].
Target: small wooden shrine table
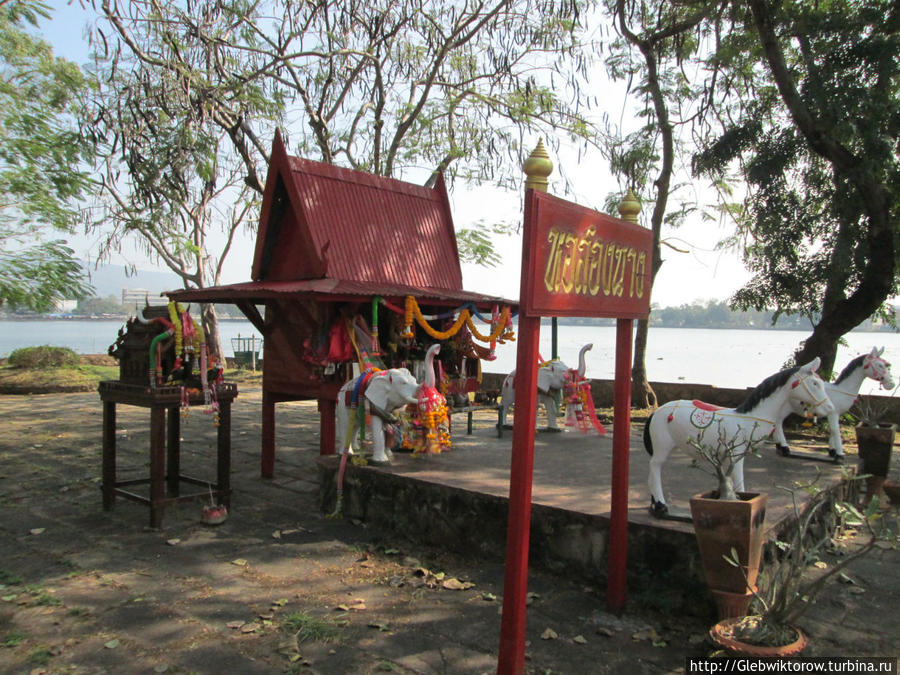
[165, 446]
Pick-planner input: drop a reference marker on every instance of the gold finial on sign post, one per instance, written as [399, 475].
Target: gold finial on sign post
[630, 207]
[537, 167]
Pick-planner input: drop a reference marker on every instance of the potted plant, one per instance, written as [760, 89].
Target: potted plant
[727, 521]
[788, 586]
[875, 441]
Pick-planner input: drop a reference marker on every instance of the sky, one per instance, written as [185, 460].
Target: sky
[699, 275]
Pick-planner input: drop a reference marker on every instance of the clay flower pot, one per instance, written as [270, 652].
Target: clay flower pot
[875, 443]
[892, 490]
[722, 634]
[721, 525]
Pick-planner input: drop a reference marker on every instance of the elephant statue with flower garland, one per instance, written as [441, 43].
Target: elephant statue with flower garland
[551, 379]
[379, 393]
[426, 426]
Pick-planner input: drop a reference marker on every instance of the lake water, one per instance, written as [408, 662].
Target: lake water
[726, 358]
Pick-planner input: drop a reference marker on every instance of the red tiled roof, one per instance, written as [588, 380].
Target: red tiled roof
[322, 221]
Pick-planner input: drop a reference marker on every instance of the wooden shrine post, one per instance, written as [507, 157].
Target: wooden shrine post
[575, 262]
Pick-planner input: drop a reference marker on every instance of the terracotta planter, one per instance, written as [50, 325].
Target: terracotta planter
[723, 524]
[731, 605]
[892, 490]
[875, 444]
[721, 635]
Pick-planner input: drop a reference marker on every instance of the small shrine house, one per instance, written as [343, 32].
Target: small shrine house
[353, 268]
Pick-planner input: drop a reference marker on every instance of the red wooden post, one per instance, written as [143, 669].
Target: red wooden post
[223, 457]
[327, 433]
[157, 464]
[618, 525]
[109, 454]
[268, 434]
[515, 584]
[173, 450]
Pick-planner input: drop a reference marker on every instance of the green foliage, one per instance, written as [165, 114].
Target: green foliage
[40, 159]
[785, 588]
[820, 157]
[475, 245]
[190, 97]
[43, 357]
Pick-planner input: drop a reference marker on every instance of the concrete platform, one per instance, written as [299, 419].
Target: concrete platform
[458, 499]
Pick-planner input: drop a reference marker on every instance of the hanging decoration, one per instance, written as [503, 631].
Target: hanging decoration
[190, 345]
[501, 329]
[579, 402]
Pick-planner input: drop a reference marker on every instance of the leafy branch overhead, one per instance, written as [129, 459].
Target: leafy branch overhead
[815, 136]
[383, 87]
[41, 179]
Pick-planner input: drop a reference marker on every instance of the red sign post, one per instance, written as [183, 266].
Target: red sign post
[575, 262]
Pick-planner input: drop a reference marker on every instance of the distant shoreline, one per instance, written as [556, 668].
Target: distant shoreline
[544, 322]
[106, 317]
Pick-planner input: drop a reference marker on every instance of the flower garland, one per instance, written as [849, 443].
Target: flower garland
[502, 332]
[413, 310]
[433, 416]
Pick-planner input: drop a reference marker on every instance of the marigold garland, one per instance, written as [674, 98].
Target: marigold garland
[498, 331]
[501, 332]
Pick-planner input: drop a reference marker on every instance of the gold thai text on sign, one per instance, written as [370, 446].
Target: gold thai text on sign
[589, 265]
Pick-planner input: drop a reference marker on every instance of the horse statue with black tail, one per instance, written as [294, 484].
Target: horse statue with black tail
[843, 393]
[676, 423]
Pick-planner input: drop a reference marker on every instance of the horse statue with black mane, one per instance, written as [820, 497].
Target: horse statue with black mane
[676, 423]
[843, 393]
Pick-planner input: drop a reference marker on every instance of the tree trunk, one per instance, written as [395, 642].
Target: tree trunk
[211, 325]
[642, 394]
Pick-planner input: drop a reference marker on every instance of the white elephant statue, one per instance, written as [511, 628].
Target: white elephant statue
[551, 378]
[381, 392]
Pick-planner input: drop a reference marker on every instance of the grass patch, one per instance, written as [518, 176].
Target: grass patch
[42, 597]
[54, 379]
[13, 639]
[8, 578]
[41, 376]
[44, 356]
[244, 376]
[40, 656]
[308, 627]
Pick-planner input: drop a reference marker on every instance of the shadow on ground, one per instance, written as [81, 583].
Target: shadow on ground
[280, 588]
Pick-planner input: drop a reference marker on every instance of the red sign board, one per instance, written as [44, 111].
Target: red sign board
[582, 262]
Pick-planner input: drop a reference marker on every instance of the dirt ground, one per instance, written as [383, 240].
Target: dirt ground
[278, 587]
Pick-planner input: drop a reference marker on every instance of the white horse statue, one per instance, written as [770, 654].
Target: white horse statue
[675, 423]
[842, 393]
